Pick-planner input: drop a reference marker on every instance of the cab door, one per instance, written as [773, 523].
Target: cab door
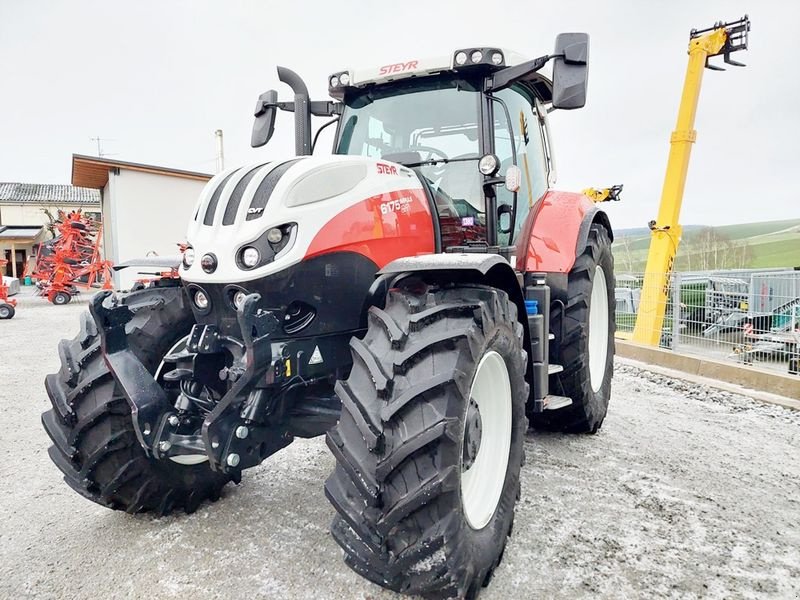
[519, 131]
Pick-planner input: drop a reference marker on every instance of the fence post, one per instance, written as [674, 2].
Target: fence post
[676, 310]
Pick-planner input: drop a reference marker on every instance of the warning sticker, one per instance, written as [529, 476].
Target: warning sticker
[316, 357]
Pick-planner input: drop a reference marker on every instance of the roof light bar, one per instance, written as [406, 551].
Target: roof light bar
[338, 83]
[473, 57]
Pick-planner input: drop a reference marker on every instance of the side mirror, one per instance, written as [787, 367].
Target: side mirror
[504, 224]
[570, 70]
[265, 112]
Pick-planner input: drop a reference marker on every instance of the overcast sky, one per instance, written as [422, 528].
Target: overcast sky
[157, 77]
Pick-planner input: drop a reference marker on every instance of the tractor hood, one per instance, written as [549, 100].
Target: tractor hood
[253, 221]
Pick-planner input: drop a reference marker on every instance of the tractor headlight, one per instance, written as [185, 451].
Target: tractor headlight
[274, 236]
[201, 300]
[489, 164]
[476, 56]
[209, 263]
[334, 81]
[344, 78]
[188, 257]
[251, 256]
[238, 299]
[497, 58]
[461, 58]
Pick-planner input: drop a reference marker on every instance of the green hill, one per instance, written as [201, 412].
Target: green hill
[745, 246]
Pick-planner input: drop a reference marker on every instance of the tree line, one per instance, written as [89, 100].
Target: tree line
[702, 249]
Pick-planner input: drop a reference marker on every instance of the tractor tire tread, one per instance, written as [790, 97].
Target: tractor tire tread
[406, 374]
[90, 424]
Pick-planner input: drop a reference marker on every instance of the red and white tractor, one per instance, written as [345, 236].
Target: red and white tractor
[420, 297]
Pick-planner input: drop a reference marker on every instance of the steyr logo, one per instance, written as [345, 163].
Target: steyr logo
[385, 169]
[398, 67]
[254, 211]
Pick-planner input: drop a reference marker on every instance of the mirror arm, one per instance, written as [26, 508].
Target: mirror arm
[325, 108]
[505, 77]
[317, 108]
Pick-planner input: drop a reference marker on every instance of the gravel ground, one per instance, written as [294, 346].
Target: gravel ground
[685, 492]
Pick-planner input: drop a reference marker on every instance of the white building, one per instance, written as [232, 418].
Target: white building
[145, 209]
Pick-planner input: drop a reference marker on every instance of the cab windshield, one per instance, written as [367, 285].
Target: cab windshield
[431, 126]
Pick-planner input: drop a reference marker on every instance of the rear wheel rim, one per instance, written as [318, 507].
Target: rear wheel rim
[598, 330]
[4, 312]
[482, 483]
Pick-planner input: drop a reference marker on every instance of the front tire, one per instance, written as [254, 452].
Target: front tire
[90, 423]
[430, 442]
[587, 346]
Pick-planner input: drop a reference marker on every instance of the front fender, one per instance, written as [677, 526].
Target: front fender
[558, 232]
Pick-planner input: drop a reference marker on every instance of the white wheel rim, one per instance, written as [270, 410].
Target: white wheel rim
[4, 312]
[482, 483]
[598, 330]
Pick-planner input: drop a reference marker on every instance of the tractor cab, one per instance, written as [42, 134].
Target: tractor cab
[473, 125]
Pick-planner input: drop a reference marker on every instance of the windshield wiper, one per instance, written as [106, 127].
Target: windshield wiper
[437, 161]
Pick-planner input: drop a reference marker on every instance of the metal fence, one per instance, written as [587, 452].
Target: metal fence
[748, 317]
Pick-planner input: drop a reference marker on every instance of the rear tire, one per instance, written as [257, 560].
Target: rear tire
[90, 424]
[587, 348]
[7, 311]
[412, 515]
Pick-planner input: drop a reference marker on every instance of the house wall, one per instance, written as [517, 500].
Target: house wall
[149, 214]
[32, 214]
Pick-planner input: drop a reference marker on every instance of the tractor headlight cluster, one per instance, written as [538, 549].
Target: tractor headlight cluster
[338, 82]
[188, 257]
[471, 57]
[266, 247]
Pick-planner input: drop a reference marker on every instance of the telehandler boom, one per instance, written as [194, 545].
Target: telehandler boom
[720, 39]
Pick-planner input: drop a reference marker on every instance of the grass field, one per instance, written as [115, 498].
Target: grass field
[769, 244]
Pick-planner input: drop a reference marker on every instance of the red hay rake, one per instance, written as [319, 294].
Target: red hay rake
[72, 259]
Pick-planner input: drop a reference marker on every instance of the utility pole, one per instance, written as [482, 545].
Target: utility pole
[220, 151]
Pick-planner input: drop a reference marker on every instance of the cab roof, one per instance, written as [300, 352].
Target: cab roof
[466, 60]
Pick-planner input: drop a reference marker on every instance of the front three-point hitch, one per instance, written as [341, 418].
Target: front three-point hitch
[231, 401]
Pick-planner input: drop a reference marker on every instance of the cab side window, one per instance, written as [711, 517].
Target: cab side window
[525, 133]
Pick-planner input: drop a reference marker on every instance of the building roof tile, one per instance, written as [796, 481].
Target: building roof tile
[47, 193]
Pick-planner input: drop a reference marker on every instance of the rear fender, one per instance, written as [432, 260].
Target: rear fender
[557, 233]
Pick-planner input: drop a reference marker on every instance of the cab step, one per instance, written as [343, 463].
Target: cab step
[556, 402]
[552, 369]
